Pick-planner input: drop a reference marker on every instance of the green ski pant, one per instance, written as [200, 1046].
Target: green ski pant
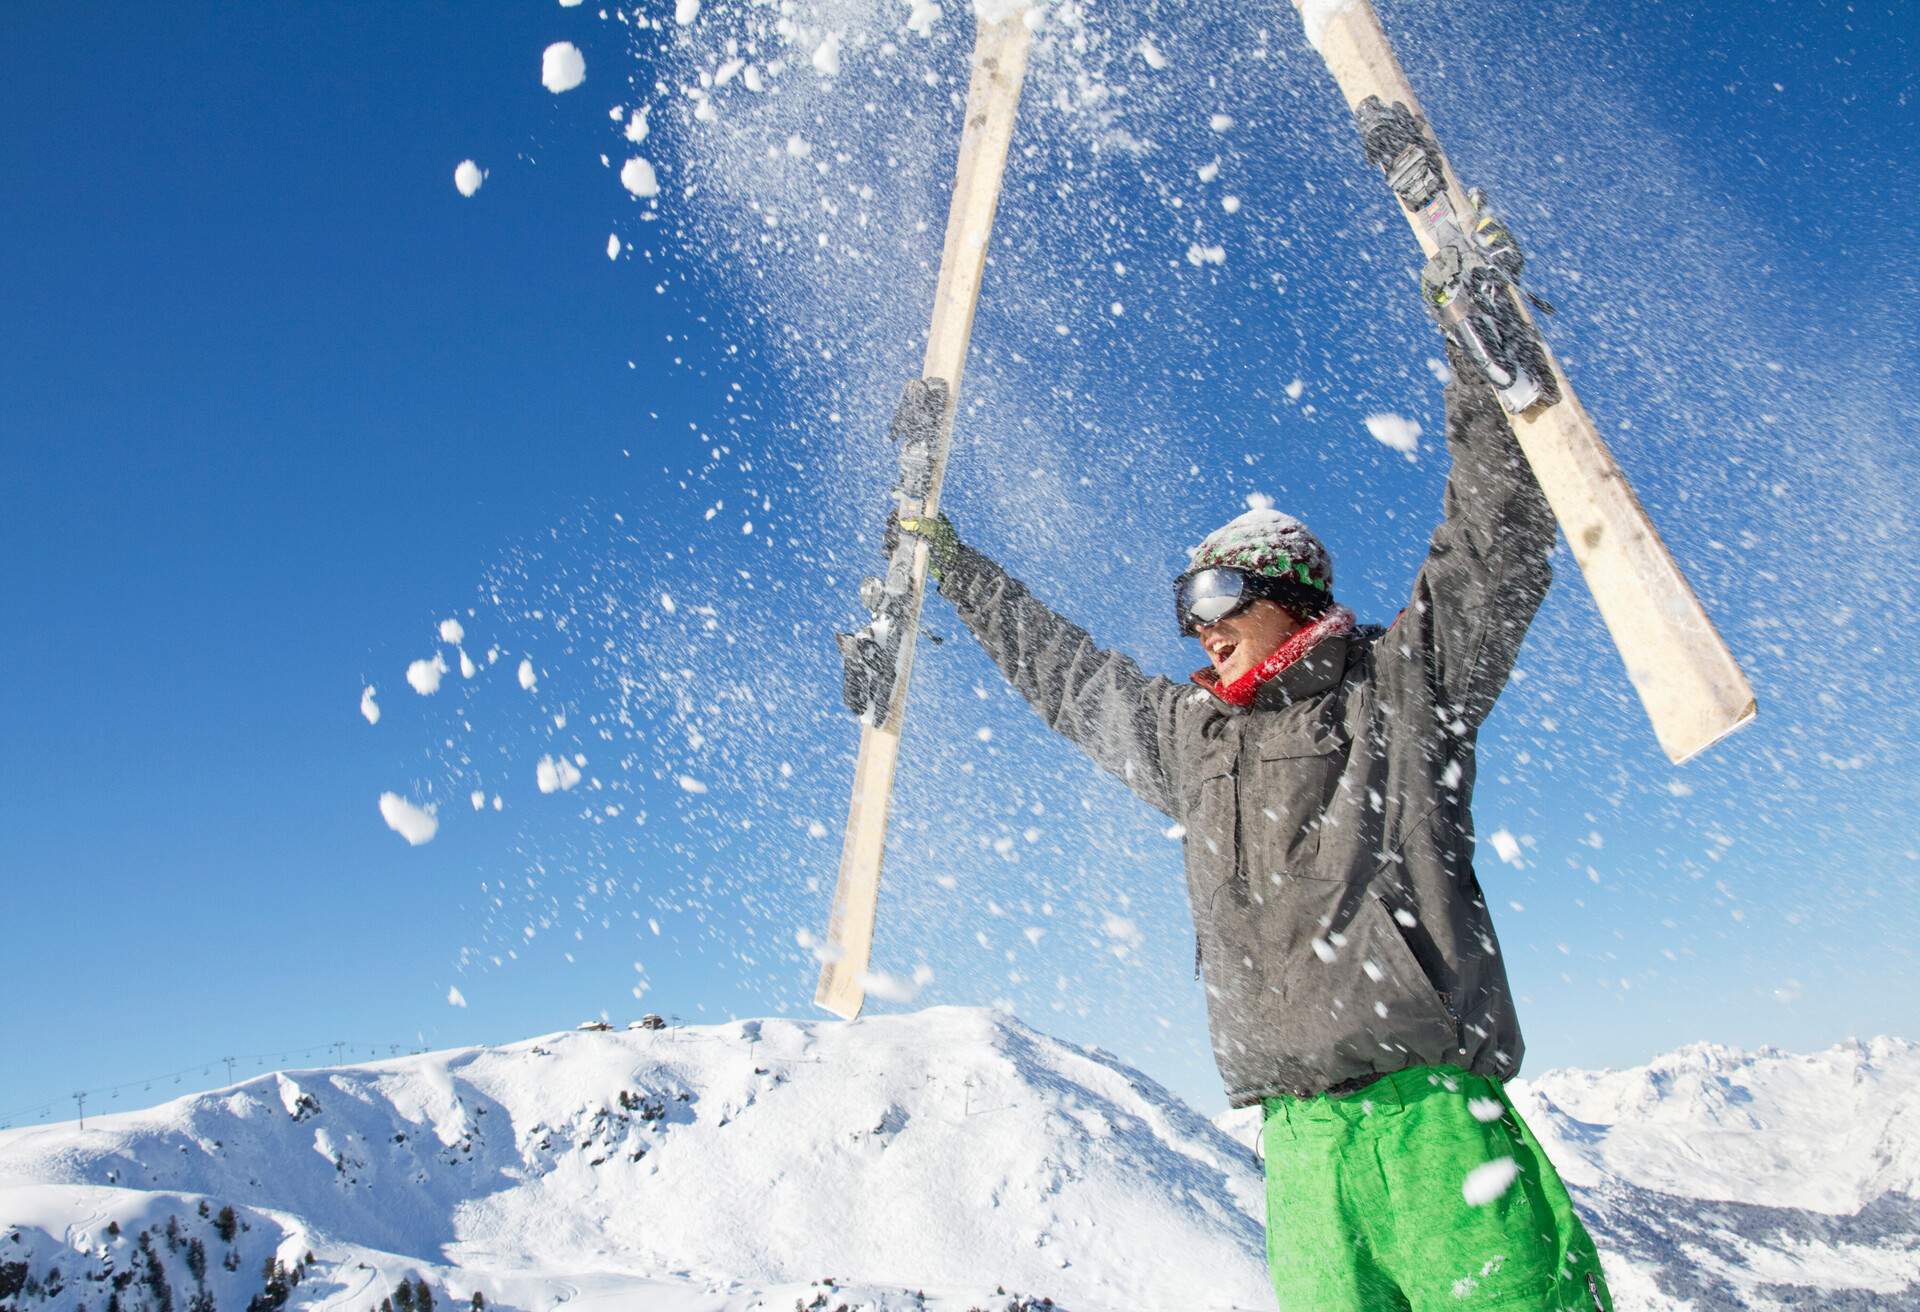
[1425, 1190]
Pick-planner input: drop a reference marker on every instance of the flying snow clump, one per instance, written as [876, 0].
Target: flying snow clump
[527, 680]
[826, 55]
[368, 706]
[467, 177]
[452, 633]
[685, 11]
[416, 824]
[1506, 845]
[1316, 14]
[555, 774]
[455, 998]
[562, 67]
[424, 675]
[996, 11]
[888, 988]
[925, 14]
[1400, 433]
[638, 177]
[613, 245]
[1488, 1181]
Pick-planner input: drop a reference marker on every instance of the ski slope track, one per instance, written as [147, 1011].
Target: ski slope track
[948, 1159]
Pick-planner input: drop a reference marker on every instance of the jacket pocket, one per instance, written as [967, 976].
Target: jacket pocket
[1287, 804]
[1395, 958]
[1212, 838]
[1352, 991]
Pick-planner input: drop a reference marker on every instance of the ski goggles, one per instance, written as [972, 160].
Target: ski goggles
[1208, 596]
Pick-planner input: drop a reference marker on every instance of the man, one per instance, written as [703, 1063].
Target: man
[1324, 773]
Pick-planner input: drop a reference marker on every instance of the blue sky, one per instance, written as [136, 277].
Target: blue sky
[279, 399]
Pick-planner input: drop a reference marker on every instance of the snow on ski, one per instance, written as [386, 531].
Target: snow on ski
[924, 431]
[1693, 689]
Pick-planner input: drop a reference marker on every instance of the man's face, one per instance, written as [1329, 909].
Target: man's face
[1241, 641]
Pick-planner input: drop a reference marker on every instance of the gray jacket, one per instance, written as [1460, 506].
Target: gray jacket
[1329, 836]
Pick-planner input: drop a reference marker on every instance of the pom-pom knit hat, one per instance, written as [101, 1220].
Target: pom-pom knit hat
[1276, 548]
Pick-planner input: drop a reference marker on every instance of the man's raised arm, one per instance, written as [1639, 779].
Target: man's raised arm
[1098, 699]
[1486, 570]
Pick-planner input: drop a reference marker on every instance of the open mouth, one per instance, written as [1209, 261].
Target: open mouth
[1224, 652]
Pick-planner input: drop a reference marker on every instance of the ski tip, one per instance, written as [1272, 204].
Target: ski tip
[1681, 751]
[842, 1000]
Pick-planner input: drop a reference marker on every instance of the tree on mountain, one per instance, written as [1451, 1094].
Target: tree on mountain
[422, 1295]
[13, 1278]
[403, 1296]
[155, 1278]
[225, 1224]
[277, 1289]
[197, 1261]
[479, 1303]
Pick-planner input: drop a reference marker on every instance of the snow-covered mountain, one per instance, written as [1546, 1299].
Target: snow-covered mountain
[1713, 1178]
[950, 1159]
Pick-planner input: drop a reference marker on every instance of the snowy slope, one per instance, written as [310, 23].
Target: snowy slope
[934, 1160]
[950, 1151]
[1829, 1132]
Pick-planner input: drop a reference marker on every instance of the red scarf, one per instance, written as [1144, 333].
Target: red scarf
[1242, 690]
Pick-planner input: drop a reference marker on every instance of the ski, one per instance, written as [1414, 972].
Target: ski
[1693, 689]
[923, 430]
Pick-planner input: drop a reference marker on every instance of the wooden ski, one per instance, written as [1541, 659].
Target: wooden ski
[1693, 689]
[999, 68]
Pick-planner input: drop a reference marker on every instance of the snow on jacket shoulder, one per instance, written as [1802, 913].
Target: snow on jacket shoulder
[1329, 836]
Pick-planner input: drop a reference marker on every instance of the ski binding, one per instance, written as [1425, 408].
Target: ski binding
[873, 654]
[1471, 282]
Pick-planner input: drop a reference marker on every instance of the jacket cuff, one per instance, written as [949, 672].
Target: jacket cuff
[969, 576]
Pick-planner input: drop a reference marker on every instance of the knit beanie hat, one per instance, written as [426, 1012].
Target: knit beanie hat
[1279, 550]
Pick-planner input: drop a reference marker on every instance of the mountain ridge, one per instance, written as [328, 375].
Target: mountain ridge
[933, 1158]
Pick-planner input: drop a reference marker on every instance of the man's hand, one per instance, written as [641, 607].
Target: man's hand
[942, 542]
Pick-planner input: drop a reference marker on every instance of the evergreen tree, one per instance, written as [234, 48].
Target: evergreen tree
[225, 1224]
[197, 1261]
[403, 1296]
[156, 1278]
[479, 1303]
[422, 1295]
